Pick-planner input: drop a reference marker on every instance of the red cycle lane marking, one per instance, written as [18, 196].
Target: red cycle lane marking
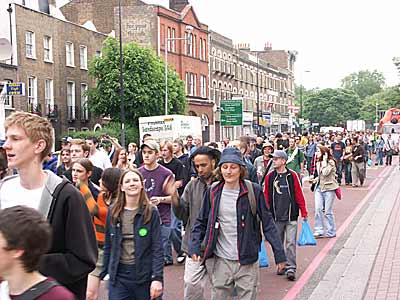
[301, 282]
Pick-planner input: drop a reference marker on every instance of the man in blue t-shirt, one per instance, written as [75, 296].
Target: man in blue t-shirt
[337, 148]
[156, 178]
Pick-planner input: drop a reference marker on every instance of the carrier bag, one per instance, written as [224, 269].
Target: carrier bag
[306, 236]
[262, 256]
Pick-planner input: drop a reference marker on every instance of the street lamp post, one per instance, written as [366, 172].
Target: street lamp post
[121, 79]
[258, 100]
[301, 95]
[189, 29]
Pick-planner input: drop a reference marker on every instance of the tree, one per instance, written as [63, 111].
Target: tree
[144, 84]
[364, 83]
[387, 98]
[331, 107]
[112, 129]
[301, 92]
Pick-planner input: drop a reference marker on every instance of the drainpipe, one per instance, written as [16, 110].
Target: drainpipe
[9, 9]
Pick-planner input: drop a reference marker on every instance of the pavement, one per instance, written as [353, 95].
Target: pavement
[362, 262]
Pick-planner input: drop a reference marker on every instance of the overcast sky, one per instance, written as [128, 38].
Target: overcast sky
[333, 38]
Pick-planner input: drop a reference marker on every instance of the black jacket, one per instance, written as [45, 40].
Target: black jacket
[73, 252]
[249, 234]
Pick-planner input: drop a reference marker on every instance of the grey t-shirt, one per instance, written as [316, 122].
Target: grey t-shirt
[227, 217]
[128, 242]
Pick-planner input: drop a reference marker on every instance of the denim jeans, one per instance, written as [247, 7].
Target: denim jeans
[165, 235]
[175, 236]
[339, 170]
[347, 172]
[309, 162]
[324, 203]
[125, 286]
[379, 157]
[287, 231]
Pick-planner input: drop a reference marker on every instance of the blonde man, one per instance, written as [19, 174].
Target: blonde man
[73, 252]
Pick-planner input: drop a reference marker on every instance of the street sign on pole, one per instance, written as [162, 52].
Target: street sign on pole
[15, 89]
[231, 112]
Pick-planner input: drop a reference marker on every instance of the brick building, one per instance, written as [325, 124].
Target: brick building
[234, 72]
[51, 56]
[150, 26]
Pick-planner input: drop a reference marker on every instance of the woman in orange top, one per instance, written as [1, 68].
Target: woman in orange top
[98, 209]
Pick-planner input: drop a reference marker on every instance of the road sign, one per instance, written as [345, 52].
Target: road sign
[231, 112]
[15, 89]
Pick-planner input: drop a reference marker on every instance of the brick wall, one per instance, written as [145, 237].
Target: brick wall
[60, 32]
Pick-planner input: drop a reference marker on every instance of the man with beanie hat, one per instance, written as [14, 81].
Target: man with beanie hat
[229, 222]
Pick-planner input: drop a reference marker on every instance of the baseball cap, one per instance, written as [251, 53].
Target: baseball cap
[280, 154]
[231, 155]
[152, 144]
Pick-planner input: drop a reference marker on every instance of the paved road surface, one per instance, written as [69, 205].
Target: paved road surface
[272, 287]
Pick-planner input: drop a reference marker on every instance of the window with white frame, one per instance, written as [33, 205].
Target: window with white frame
[83, 57]
[169, 33]
[8, 100]
[194, 84]
[191, 83]
[84, 104]
[173, 40]
[32, 90]
[71, 99]
[201, 49]
[204, 49]
[30, 49]
[189, 43]
[48, 94]
[69, 52]
[203, 86]
[47, 48]
[194, 45]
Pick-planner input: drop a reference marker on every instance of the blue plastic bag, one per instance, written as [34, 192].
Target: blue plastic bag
[306, 236]
[369, 162]
[262, 256]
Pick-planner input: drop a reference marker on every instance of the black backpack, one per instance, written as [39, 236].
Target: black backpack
[38, 290]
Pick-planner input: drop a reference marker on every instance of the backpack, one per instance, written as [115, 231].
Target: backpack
[38, 290]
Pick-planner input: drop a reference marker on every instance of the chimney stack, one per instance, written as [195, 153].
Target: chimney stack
[178, 5]
[244, 47]
[268, 46]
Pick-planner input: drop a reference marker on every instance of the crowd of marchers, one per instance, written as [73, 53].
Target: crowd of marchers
[97, 211]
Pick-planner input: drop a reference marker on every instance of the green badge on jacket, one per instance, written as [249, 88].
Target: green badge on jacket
[143, 232]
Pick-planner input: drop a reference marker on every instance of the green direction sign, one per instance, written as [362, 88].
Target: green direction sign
[231, 112]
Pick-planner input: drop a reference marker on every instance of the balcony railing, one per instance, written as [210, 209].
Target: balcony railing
[71, 113]
[35, 108]
[51, 111]
[85, 114]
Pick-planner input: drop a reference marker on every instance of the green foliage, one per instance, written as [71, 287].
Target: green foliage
[112, 129]
[387, 98]
[364, 83]
[331, 107]
[144, 84]
[302, 92]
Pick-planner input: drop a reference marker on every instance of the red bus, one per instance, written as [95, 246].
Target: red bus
[390, 124]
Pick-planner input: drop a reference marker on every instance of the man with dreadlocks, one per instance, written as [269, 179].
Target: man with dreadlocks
[187, 208]
[285, 198]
